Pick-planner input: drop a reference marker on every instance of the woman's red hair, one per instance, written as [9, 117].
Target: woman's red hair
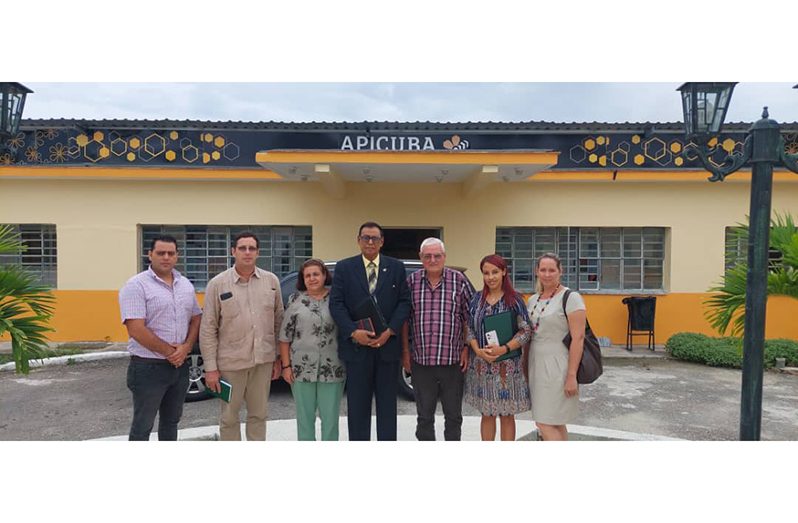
[510, 296]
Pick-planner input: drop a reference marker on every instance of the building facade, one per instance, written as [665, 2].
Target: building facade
[626, 206]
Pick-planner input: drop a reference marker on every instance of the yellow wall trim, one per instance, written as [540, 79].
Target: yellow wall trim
[410, 157]
[132, 173]
[94, 316]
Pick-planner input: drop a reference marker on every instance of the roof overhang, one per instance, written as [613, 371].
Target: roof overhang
[471, 168]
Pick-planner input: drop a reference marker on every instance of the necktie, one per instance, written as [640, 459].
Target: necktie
[372, 270]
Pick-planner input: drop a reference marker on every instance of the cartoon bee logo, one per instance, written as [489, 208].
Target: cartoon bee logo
[455, 144]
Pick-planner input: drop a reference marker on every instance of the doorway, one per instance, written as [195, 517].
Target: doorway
[404, 243]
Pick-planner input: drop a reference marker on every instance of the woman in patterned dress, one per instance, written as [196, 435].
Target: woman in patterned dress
[496, 388]
[309, 354]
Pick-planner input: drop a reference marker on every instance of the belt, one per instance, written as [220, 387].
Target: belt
[148, 360]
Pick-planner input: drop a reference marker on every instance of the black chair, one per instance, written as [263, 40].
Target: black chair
[641, 318]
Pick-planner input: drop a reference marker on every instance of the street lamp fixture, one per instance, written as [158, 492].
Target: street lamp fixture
[12, 96]
[705, 105]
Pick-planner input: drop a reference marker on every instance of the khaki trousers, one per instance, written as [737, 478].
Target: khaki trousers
[251, 388]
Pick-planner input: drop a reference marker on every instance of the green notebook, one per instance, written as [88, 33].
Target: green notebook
[227, 390]
[504, 324]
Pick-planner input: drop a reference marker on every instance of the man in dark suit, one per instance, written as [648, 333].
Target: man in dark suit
[371, 358]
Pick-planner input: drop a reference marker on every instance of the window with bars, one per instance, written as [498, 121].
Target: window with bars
[736, 251]
[205, 249]
[40, 256]
[593, 258]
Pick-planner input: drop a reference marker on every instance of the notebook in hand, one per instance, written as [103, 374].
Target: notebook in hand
[224, 395]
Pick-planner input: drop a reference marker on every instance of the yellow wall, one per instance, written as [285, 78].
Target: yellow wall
[97, 231]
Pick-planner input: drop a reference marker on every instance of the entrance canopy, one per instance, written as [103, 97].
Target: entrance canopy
[473, 169]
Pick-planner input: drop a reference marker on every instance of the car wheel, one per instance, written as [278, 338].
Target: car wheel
[196, 378]
[406, 384]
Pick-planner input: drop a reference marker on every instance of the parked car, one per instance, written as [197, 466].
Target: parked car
[196, 385]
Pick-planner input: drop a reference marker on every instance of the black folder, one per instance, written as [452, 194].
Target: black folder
[369, 310]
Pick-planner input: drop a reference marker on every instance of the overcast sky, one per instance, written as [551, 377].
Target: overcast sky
[440, 102]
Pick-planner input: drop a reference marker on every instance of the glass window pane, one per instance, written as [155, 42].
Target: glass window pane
[632, 274]
[610, 278]
[611, 242]
[632, 242]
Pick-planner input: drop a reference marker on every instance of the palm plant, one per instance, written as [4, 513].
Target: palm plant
[26, 306]
[726, 306]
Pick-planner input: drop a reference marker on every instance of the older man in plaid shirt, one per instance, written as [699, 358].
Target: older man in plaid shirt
[433, 341]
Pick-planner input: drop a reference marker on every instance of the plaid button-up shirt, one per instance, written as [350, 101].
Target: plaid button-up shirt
[166, 309]
[438, 316]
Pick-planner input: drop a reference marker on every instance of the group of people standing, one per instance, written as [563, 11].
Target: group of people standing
[433, 327]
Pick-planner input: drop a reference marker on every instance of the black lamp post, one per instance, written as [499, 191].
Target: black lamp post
[705, 105]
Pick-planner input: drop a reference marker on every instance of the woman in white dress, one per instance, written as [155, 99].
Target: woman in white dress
[552, 365]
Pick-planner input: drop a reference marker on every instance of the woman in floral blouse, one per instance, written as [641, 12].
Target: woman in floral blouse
[309, 354]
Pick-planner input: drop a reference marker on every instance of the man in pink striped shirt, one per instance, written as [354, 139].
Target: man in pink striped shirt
[160, 310]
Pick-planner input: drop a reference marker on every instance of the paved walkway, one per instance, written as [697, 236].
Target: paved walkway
[285, 430]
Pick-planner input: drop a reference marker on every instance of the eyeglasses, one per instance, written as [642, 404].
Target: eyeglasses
[365, 238]
[246, 248]
[427, 257]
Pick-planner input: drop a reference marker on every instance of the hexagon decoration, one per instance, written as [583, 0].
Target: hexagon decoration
[624, 146]
[113, 135]
[105, 152]
[690, 152]
[119, 147]
[639, 159]
[73, 149]
[675, 146]
[173, 135]
[82, 140]
[654, 149]
[134, 142]
[154, 144]
[206, 158]
[219, 141]
[678, 161]
[215, 155]
[131, 157]
[619, 157]
[728, 145]
[603, 160]
[601, 140]
[190, 153]
[231, 151]
[185, 142]
[712, 142]
[593, 158]
[589, 144]
[577, 154]
[98, 136]
[636, 139]
[170, 156]
[92, 151]
[208, 137]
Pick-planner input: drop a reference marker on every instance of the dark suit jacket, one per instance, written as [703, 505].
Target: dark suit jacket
[350, 287]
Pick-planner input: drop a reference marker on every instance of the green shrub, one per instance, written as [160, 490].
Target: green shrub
[726, 352]
[781, 348]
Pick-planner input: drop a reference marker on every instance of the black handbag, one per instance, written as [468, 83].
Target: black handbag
[590, 368]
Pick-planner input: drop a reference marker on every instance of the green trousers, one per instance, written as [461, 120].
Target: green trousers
[311, 397]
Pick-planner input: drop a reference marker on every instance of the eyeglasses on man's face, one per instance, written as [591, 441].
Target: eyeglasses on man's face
[435, 257]
[365, 238]
[247, 248]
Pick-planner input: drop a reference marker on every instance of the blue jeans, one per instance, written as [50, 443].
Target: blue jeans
[158, 388]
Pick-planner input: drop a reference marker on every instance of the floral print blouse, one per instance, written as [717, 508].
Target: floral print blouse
[310, 330]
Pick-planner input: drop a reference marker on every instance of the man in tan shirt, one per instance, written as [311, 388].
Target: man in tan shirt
[240, 322]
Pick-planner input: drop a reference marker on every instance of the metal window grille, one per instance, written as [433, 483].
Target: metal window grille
[736, 251]
[41, 254]
[205, 249]
[593, 258]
